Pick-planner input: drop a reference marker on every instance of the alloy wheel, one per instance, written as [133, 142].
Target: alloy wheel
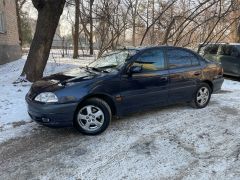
[90, 118]
[202, 96]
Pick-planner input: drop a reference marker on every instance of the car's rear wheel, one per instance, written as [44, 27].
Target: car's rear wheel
[202, 96]
[93, 117]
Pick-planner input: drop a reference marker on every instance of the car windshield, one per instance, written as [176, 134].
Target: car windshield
[115, 59]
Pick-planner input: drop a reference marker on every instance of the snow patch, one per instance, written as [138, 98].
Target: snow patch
[13, 89]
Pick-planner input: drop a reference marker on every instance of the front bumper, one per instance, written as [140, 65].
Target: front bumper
[217, 84]
[52, 115]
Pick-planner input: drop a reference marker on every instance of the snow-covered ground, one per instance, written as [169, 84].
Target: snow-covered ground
[176, 142]
[14, 119]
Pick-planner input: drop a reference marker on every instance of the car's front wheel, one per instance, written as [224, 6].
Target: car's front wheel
[93, 116]
[202, 96]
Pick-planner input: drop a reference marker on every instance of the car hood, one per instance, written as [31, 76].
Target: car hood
[73, 75]
[59, 80]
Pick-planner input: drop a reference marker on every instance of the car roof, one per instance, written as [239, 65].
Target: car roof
[139, 48]
[220, 43]
[235, 44]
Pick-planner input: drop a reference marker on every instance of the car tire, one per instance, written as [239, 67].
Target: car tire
[93, 116]
[201, 96]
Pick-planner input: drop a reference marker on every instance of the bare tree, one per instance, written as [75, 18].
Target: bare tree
[76, 29]
[133, 5]
[49, 12]
[86, 17]
[19, 6]
[112, 22]
[107, 23]
[149, 26]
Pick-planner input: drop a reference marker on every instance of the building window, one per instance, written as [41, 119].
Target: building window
[2, 20]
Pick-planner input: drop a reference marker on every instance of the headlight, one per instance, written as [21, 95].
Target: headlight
[46, 97]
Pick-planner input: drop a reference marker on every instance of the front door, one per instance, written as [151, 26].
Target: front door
[146, 88]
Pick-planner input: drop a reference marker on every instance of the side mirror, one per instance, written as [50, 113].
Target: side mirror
[135, 69]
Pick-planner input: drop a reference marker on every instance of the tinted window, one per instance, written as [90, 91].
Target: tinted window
[211, 49]
[181, 58]
[225, 50]
[151, 60]
[235, 52]
[237, 47]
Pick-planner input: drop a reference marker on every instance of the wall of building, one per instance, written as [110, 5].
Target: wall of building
[9, 39]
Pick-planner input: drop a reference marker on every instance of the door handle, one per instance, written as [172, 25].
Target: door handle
[197, 73]
[164, 78]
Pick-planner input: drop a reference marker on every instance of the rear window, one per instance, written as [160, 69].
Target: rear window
[181, 58]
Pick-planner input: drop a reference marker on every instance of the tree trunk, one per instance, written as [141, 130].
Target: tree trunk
[76, 30]
[18, 22]
[91, 28]
[153, 27]
[167, 32]
[134, 32]
[134, 17]
[238, 33]
[49, 12]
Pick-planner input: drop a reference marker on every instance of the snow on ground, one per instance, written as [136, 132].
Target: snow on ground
[175, 142]
[13, 111]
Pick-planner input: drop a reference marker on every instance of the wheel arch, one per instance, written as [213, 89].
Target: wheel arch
[108, 99]
[209, 83]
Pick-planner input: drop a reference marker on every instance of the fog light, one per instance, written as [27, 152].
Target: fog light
[45, 120]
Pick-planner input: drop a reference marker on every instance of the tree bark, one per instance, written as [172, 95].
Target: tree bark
[91, 28]
[134, 17]
[49, 12]
[76, 30]
[134, 32]
[167, 32]
[238, 33]
[18, 22]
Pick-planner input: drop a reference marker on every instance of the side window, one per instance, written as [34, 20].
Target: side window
[235, 52]
[226, 50]
[180, 58]
[151, 60]
[211, 49]
[2, 24]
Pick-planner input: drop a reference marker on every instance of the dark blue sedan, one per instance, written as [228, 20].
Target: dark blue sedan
[121, 82]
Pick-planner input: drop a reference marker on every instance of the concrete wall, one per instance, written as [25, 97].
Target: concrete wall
[9, 39]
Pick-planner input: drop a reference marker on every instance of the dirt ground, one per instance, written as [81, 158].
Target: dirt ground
[176, 142]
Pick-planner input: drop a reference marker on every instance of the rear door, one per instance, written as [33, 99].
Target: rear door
[184, 74]
[228, 56]
[149, 87]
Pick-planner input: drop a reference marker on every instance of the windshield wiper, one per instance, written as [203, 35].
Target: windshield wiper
[87, 69]
[99, 70]
[96, 69]
[103, 68]
[108, 66]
